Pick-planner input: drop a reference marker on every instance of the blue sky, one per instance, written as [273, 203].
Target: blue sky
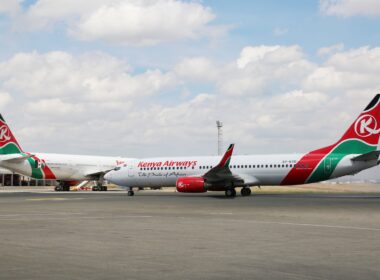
[249, 23]
[147, 78]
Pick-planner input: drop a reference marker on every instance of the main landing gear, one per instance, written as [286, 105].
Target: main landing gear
[231, 192]
[62, 187]
[99, 188]
[245, 192]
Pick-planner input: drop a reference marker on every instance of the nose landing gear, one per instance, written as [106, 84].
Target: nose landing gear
[130, 192]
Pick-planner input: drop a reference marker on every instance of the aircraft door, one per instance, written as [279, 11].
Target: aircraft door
[131, 169]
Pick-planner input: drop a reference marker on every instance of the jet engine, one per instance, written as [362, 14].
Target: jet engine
[191, 185]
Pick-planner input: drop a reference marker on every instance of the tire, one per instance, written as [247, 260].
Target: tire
[131, 193]
[230, 193]
[58, 188]
[245, 192]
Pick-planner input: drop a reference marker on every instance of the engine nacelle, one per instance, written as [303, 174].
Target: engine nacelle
[191, 185]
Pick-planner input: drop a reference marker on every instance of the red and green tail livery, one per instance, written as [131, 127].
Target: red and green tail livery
[362, 137]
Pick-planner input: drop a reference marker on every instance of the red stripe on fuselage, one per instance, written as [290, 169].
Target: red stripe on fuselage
[305, 166]
[48, 174]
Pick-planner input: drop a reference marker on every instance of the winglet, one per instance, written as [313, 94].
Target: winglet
[227, 157]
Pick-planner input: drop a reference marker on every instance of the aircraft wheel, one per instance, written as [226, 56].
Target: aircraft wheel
[66, 188]
[58, 188]
[95, 189]
[230, 193]
[104, 188]
[131, 193]
[245, 192]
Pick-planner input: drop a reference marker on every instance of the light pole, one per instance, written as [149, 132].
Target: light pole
[219, 126]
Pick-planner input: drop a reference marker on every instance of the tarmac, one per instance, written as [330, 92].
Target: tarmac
[167, 235]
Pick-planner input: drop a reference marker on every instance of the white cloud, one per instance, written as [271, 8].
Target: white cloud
[330, 49]
[269, 54]
[347, 8]
[5, 99]
[135, 22]
[91, 77]
[262, 67]
[144, 23]
[276, 94]
[47, 107]
[351, 70]
[11, 7]
[197, 69]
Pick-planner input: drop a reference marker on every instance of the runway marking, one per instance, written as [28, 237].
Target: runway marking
[317, 225]
[53, 199]
[20, 217]
[37, 214]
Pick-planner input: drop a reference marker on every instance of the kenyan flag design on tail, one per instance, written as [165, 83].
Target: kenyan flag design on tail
[8, 143]
[361, 137]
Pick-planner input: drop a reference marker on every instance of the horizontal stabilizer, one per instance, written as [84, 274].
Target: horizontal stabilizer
[14, 158]
[374, 155]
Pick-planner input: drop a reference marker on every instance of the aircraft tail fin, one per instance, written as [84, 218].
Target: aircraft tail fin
[8, 143]
[364, 133]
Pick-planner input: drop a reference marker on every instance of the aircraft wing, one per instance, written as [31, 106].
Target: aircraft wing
[97, 174]
[374, 155]
[221, 173]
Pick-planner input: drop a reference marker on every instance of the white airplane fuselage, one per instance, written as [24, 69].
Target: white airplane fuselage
[62, 166]
[253, 169]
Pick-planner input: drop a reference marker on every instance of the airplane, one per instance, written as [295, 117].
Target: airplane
[355, 151]
[67, 170]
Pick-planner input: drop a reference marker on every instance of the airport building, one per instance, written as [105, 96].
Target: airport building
[9, 178]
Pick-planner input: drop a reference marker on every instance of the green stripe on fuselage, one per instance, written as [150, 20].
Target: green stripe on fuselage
[36, 172]
[327, 166]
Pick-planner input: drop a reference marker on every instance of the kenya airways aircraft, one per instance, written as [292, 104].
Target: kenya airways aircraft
[354, 152]
[66, 169]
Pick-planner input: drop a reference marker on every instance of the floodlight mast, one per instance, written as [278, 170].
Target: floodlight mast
[219, 126]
